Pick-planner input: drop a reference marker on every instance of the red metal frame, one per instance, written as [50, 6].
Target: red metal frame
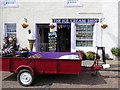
[94, 67]
[42, 66]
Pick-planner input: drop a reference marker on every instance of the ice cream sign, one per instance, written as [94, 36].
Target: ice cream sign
[93, 20]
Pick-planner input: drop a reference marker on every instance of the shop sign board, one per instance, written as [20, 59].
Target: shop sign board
[92, 20]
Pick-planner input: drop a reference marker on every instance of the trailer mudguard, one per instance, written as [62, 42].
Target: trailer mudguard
[24, 67]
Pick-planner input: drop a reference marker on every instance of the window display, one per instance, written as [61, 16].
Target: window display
[84, 35]
[52, 41]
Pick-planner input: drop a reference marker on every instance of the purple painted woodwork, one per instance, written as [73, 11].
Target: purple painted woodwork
[53, 55]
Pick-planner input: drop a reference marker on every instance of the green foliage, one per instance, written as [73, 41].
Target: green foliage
[89, 55]
[92, 55]
[115, 51]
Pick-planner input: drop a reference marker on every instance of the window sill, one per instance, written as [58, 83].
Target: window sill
[84, 46]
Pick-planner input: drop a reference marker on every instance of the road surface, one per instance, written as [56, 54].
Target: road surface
[104, 79]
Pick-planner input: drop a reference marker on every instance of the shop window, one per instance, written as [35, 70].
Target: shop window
[84, 35]
[73, 3]
[9, 3]
[10, 30]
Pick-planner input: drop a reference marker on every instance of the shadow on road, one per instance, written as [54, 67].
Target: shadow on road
[12, 77]
[48, 79]
[84, 78]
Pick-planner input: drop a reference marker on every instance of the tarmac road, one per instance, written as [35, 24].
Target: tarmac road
[104, 79]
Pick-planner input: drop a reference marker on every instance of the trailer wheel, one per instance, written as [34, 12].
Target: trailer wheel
[25, 77]
[94, 73]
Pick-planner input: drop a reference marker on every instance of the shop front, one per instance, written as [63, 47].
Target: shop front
[67, 35]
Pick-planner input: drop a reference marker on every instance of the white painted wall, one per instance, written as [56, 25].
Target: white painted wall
[42, 11]
[110, 16]
[39, 11]
[0, 25]
[119, 25]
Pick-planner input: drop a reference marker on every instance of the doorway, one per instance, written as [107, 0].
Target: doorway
[42, 37]
[63, 37]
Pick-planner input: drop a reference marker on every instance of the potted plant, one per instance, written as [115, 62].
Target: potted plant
[92, 55]
[104, 26]
[116, 52]
[24, 25]
[52, 26]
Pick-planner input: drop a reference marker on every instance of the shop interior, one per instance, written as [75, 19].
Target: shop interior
[64, 37]
[58, 41]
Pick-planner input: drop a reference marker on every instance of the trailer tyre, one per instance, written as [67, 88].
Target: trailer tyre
[25, 77]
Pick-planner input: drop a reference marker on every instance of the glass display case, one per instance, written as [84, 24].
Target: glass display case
[84, 35]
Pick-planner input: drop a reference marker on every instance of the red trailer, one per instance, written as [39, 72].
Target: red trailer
[49, 63]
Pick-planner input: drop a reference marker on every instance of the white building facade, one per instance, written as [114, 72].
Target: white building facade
[77, 24]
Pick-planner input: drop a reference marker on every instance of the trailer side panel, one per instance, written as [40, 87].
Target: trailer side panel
[5, 64]
[46, 66]
[68, 66]
[17, 62]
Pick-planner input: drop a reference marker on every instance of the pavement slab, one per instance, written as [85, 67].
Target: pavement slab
[114, 64]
